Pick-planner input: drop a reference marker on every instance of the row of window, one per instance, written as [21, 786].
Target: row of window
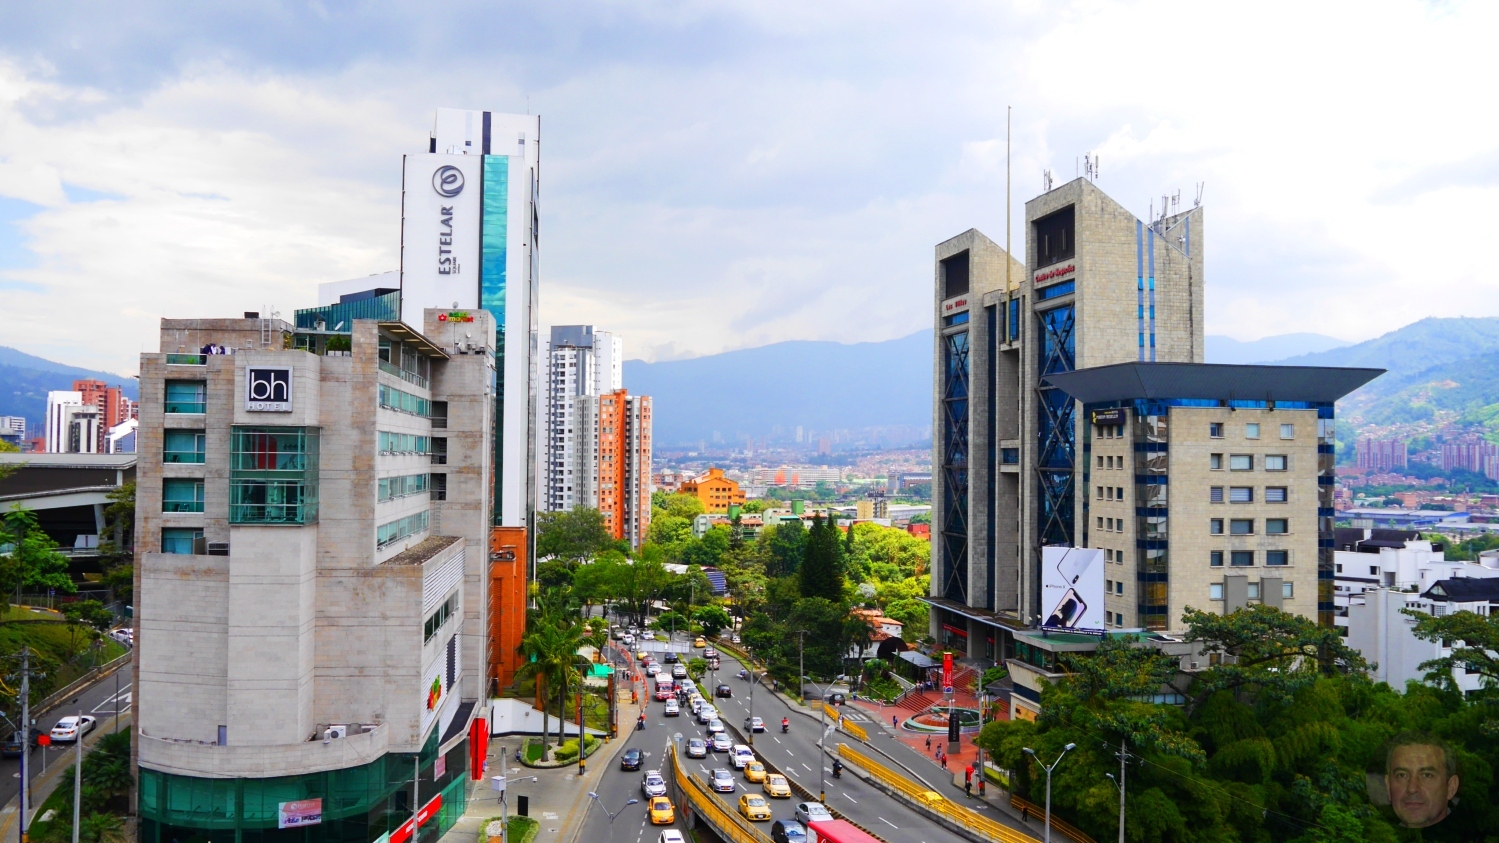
[1251, 430]
[1111, 493]
[1246, 558]
[1245, 462]
[391, 488]
[404, 443]
[436, 620]
[1110, 462]
[388, 534]
[1245, 526]
[1113, 525]
[404, 402]
[1245, 494]
[1287, 590]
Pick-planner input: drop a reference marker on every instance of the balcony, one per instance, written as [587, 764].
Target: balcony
[187, 359]
[409, 377]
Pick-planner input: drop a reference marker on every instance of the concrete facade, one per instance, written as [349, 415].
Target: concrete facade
[269, 616]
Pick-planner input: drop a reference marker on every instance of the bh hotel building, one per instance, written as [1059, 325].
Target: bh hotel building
[1073, 408]
[332, 523]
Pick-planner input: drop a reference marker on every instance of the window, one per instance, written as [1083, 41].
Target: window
[1252, 430]
[1277, 526]
[1241, 527]
[1287, 590]
[1241, 494]
[436, 620]
[1241, 462]
[1056, 291]
[1108, 586]
[183, 541]
[1054, 237]
[955, 319]
[1215, 462]
[1278, 558]
[1100, 522]
[1373, 570]
[439, 450]
[187, 396]
[1215, 526]
[1241, 558]
[439, 487]
[1275, 462]
[1100, 461]
[1215, 430]
[404, 402]
[1288, 431]
[1215, 494]
[1100, 493]
[1119, 493]
[1254, 591]
[955, 275]
[388, 534]
[182, 495]
[1275, 494]
[1215, 591]
[1119, 587]
[391, 488]
[1009, 456]
[184, 446]
[404, 443]
[1108, 618]
[1215, 559]
[273, 475]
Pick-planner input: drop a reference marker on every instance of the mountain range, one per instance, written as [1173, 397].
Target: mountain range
[25, 380]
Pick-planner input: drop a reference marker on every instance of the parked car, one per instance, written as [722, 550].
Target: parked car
[697, 748]
[754, 807]
[631, 759]
[653, 784]
[11, 748]
[788, 831]
[754, 724]
[722, 742]
[72, 727]
[673, 708]
[741, 756]
[723, 691]
[125, 635]
[723, 781]
[812, 812]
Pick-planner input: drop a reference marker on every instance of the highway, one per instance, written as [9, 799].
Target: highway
[99, 700]
[796, 754]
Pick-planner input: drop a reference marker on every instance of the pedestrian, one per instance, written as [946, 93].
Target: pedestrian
[944, 761]
[981, 785]
[893, 721]
[1025, 814]
[968, 787]
[929, 743]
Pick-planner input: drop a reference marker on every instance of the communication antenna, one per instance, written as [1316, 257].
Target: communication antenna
[1200, 186]
[1176, 199]
[1090, 166]
[1046, 180]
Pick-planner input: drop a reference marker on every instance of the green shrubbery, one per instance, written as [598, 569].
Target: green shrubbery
[568, 751]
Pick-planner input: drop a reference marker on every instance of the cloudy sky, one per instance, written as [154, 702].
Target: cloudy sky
[720, 174]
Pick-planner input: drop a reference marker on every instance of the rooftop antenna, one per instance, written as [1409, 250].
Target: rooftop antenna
[1008, 109]
[1046, 180]
[1200, 186]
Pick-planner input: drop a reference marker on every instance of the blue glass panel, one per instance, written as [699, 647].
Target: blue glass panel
[1066, 288]
[954, 543]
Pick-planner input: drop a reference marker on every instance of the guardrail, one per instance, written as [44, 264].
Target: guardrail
[729, 825]
[847, 725]
[796, 787]
[1062, 827]
[933, 802]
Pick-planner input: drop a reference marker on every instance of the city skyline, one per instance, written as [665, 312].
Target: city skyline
[117, 160]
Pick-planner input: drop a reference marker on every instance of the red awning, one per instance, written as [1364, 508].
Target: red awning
[840, 831]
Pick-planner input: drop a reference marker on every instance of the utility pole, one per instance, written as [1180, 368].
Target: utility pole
[801, 667]
[582, 743]
[504, 803]
[26, 738]
[1123, 757]
[1032, 753]
[77, 775]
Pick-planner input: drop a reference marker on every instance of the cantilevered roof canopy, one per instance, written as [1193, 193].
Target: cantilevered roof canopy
[405, 333]
[1211, 381]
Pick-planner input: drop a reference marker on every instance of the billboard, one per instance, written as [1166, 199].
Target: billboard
[1072, 587]
[440, 219]
[299, 813]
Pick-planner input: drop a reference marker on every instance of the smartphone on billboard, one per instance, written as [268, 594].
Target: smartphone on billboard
[1074, 563]
[1069, 611]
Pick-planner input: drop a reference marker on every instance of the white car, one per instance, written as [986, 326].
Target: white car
[722, 742]
[678, 671]
[652, 669]
[629, 640]
[734, 638]
[72, 727]
[672, 709]
[754, 724]
[710, 653]
[715, 727]
[695, 702]
[723, 781]
[671, 835]
[124, 635]
[741, 755]
[706, 713]
[653, 784]
[812, 812]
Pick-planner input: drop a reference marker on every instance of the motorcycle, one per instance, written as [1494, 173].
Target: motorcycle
[837, 769]
[785, 727]
[640, 724]
[743, 674]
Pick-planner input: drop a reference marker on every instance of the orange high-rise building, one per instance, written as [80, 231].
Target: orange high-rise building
[624, 464]
[507, 602]
[114, 407]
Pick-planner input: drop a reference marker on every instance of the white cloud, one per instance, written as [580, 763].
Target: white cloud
[718, 176]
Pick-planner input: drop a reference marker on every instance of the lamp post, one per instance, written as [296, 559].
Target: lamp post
[501, 783]
[595, 797]
[1119, 783]
[1032, 753]
[822, 733]
[801, 666]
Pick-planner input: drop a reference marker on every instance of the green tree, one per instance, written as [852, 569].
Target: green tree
[33, 561]
[708, 550]
[754, 506]
[821, 571]
[713, 619]
[785, 545]
[679, 505]
[669, 531]
[573, 536]
[550, 650]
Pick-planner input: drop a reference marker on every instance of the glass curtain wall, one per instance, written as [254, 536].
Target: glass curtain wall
[955, 466]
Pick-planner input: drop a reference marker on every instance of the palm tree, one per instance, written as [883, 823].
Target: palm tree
[551, 651]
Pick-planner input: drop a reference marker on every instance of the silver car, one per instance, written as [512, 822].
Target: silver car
[653, 784]
[723, 782]
[715, 727]
[812, 812]
[697, 748]
[722, 742]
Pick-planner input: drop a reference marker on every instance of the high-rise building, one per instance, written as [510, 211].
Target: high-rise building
[313, 611]
[581, 365]
[1380, 454]
[623, 423]
[13, 430]
[115, 408]
[72, 427]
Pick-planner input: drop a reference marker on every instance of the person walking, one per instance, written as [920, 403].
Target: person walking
[968, 780]
[893, 721]
[1025, 814]
[928, 743]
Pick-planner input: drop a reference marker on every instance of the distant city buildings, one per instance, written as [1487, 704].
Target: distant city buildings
[1381, 455]
[795, 476]
[13, 431]
[91, 418]
[596, 438]
[1478, 457]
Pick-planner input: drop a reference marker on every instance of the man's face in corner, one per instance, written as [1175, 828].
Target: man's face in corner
[1419, 785]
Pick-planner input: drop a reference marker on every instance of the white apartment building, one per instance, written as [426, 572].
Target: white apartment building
[72, 427]
[581, 364]
[1370, 559]
[1379, 630]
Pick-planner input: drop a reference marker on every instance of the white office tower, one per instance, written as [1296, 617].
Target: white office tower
[72, 426]
[581, 365]
[468, 242]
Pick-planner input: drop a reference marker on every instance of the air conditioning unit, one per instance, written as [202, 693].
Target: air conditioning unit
[218, 548]
[332, 732]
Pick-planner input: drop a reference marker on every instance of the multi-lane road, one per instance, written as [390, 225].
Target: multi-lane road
[101, 700]
[796, 754]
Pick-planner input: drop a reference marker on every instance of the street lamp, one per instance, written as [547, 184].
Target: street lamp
[612, 816]
[1066, 749]
[801, 666]
[822, 727]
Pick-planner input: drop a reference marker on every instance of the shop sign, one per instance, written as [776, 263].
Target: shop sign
[299, 813]
[268, 389]
[1055, 273]
[1114, 416]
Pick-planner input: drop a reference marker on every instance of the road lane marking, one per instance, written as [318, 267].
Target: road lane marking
[850, 798]
[774, 738]
[891, 824]
[809, 769]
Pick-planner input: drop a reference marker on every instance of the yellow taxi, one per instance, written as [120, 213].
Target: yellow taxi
[754, 807]
[754, 771]
[641, 655]
[661, 811]
[700, 643]
[776, 786]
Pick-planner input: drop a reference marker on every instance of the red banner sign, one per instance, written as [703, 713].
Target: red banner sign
[954, 304]
[428, 811]
[1055, 273]
[947, 670]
